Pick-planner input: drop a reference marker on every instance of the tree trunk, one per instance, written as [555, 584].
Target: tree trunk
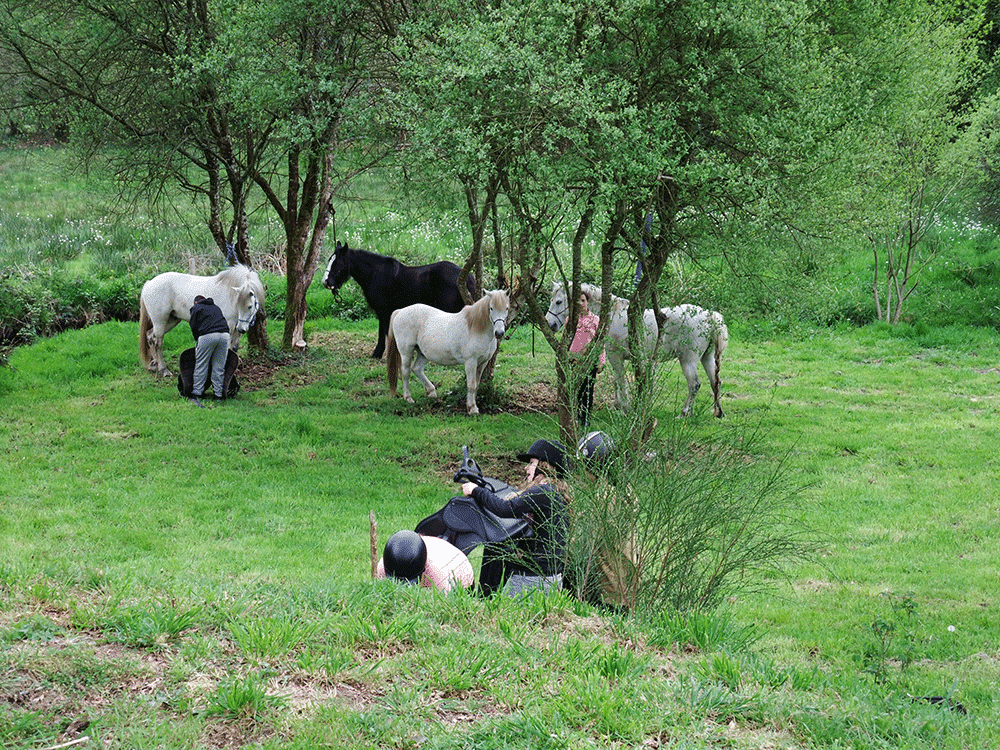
[564, 399]
[302, 260]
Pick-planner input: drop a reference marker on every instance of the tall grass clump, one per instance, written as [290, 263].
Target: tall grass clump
[684, 520]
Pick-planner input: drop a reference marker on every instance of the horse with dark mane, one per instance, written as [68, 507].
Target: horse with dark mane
[389, 285]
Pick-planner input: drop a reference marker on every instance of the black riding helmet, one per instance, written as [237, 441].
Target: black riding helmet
[547, 450]
[405, 556]
[595, 447]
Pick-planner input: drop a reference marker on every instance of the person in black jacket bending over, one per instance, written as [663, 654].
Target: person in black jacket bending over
[536, 561]
[211, 335]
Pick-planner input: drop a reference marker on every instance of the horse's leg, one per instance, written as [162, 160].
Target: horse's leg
[689, 366]
[708, 361]
[405, 365]
[419, 363]
[155, 349]
[156, 336]
[473, 371]
[616, 357]
[383, 331]
[156, 362]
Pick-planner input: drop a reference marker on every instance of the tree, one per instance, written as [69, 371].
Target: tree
[922, 150]
[607, 123]
[221, 97]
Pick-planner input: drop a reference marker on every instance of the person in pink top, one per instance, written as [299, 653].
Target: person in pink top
[413, 558]
[586, 329]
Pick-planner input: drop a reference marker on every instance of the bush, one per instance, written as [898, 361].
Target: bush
[40, 304]
[683, 521]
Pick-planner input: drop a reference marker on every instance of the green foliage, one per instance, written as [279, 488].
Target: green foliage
[47, 302]
[362, 629]
[700, 631]
[23, 728]
[151, 626]
[688, 520]
[892, 638]
[107, 516]
[271, 636]
[35, 628]
[245, 698]
[491, 396]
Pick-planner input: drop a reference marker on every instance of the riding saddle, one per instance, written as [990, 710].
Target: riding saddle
[185, 378]
[465, 523]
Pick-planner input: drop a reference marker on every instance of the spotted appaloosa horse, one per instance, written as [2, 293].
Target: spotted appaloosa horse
[389, 285]
[689, 333]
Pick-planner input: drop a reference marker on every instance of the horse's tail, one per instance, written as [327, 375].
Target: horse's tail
[145, 323]
[721, 341]
[391, 360]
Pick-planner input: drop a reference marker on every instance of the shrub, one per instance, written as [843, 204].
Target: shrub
[42, 303]
[683, 521]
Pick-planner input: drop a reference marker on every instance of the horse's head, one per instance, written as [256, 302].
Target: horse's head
[555, 316]
[247, 306]
[338, 271]
[499, 305]
[558, 310]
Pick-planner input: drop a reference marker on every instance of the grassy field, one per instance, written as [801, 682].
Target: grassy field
[176, 577]
[172, 577]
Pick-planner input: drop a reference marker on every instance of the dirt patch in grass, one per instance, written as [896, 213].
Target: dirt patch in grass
[258, 372]
[59, 683]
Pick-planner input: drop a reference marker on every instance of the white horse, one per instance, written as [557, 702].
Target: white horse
[166, 300]
[419, 334]
[689, 333]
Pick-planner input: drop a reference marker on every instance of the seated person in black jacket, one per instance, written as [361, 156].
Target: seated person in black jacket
[534, 561]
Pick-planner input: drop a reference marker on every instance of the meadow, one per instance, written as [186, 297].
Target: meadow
[175, 577]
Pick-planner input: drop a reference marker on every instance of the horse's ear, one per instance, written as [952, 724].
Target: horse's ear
[338, 246]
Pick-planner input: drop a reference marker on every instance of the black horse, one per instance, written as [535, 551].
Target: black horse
[389, 285]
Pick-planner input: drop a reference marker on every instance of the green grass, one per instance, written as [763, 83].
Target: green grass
[176, 578]
[230, 546]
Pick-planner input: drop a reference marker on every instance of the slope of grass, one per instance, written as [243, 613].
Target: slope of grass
[175, 578]
[220, 558]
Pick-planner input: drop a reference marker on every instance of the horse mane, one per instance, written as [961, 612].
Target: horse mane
[478, 313]
[596, 297]
[369, 253]
[234, 278]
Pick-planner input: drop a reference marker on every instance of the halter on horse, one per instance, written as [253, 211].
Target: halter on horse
[419, 334]
[389, 285]
[689, 333]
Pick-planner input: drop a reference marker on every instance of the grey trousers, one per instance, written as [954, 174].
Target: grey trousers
[210, 356]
